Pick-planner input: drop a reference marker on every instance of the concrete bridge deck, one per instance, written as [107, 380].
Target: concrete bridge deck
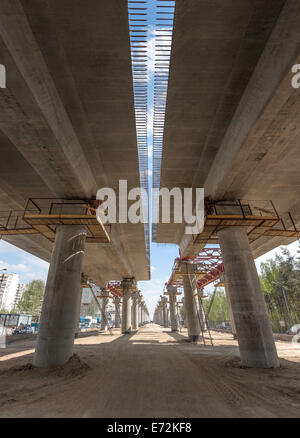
[152, 373]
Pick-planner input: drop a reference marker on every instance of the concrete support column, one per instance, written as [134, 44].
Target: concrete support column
[78, 315]
[253, 328]
[158, 314]
[201, 310]
[131, 310]
[143, 314]
[178, 314]
[140, 312]
[117, 312]
[230, 311]
[193, 324]
[164, 301]
[59, 314]
[184, 314]
[104, 302]
[172, 291]
[126, 306]
[135, 310]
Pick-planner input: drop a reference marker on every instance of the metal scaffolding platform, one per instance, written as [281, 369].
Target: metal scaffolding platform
[43, 215]
[259, 217]
[208, 266]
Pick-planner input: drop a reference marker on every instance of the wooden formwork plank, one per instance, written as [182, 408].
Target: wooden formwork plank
[41, 222]
[284, 233]
[46, 231]
[270, 223]
[60, 219]
[97, 240]
[14, 231]
[96, 230]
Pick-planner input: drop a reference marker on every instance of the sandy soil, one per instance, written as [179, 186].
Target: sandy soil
[150, 374]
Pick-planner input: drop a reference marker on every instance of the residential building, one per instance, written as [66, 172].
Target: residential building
[19, 293]
[8, 289]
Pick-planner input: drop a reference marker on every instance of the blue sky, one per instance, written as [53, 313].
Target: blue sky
[17, 261]
[29, 267]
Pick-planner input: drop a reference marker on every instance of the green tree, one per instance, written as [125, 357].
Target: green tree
[31, 301]
[280, 281]
[219, 310]
[3, 310]
[93, 308]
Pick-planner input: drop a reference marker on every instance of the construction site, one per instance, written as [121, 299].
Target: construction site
[106, 106]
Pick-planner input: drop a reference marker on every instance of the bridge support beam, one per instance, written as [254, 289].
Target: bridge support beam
[59, 314]
[253, 327]
[126, 306]
[193, 324]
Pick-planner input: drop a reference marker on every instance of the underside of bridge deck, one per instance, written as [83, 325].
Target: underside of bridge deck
[67, 122]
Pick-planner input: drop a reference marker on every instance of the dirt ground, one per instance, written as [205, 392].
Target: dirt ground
[152, 373]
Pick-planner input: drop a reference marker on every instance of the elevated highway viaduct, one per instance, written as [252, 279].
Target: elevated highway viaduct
[67, 129]
[232, 127]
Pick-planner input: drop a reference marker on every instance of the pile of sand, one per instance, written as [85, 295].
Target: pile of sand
[73, 367]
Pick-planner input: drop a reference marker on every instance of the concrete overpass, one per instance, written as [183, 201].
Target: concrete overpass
[67, 119]
[231, 121]
[232, 127]
[67, 128]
